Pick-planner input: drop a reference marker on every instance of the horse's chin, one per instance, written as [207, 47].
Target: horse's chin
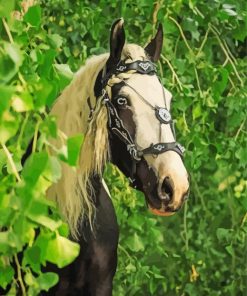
[160, 212]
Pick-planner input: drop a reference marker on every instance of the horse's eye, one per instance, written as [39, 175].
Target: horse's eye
[122, 101]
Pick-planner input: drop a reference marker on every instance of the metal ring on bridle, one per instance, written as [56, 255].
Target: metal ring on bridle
[133, 152]
[121, 101]
[163, 115]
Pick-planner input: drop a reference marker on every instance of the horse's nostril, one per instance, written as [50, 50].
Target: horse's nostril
[166, 190]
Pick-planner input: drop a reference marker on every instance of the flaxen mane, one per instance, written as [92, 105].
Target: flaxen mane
[74, 191]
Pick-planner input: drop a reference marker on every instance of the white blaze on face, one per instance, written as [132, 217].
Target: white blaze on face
[148, 129]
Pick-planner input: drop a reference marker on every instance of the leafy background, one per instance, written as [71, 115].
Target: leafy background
[199, 251]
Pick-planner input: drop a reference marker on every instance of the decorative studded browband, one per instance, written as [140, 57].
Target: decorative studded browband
[142, 67]
[116, 125]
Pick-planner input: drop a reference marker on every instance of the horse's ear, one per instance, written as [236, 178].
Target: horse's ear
[117, 40]
[154, 47]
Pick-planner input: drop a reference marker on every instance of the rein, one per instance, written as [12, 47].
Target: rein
[116, 125]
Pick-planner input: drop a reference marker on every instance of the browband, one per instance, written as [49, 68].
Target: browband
[142, 67]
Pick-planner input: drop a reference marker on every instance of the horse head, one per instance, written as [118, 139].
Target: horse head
[140, 127]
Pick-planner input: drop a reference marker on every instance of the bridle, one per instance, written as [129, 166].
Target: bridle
[115, 124]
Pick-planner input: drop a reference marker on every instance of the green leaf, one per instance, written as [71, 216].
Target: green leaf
[8, 126]
[46, 91]
[243, 201]
[65, 74]
[32, 255]
[45, 221]
[24, 228]
[42, 242]
[22, 102]
[6, 7]
[34, 167]
[47, 60]
[4, 243]
[10, 60]
[130, 268]
[135, 243]
[224, 235]
[61, 251]
[49, 127]
[197, 111]
[3, 160]
[14, 53]
[9, 240]
[230, 250]
[40, 164]
[152, 286]
[6, 211]
[29, 278]
[135, 222]
[55, 40]
[230, 12]
[47, 280]
[63, 229]
[74, 147]
[53, 169]
[6, 275]
[242, 156]
[222, 79]
[6, 95]
[33, 16]
[169, 25]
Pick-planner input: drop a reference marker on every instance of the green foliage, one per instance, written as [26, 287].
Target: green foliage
[199, 251]
[30, 80]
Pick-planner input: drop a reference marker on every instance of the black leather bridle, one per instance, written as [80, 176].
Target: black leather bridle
[115, 123]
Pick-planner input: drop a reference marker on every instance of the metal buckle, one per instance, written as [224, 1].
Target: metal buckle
[133, 152]
[181, 148]
[105, 97]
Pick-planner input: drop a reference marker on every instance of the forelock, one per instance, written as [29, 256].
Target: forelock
[133, 52]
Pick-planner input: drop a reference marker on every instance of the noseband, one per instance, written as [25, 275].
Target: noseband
[116, 125]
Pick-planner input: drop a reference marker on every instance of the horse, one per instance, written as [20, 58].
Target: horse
[118, 102]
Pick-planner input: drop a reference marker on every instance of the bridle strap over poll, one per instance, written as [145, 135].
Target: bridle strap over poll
[116, 125]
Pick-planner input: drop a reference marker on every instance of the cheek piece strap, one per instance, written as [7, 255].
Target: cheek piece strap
[116, 126]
